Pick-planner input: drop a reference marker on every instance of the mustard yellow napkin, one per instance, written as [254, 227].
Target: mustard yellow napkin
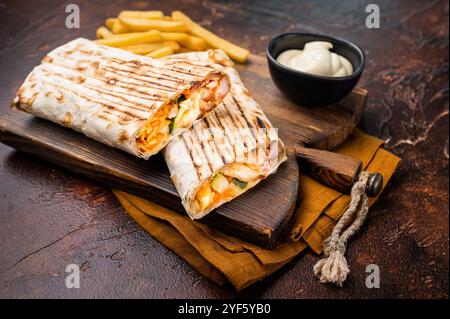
[223, 258]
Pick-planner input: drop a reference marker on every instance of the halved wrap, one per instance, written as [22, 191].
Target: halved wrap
[226, 153]
[127, 101]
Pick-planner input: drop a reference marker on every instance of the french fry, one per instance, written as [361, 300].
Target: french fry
[160, 53]
[191, 42]
[122, 40]
[154, 14]
[119, 28]
[184, 50]
[235, 52]
[110, 22]
[146, 48]
[135, 24]
[103, 33]
[174, 45]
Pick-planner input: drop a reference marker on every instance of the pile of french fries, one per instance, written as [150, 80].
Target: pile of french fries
[153, 34]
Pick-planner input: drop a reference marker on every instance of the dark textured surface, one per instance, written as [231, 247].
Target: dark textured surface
[65, 218]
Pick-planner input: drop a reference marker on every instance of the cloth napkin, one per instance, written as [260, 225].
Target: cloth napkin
[223, 258]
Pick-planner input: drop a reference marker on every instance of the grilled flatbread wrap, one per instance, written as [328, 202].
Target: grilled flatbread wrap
[226, 153]
[121, 99]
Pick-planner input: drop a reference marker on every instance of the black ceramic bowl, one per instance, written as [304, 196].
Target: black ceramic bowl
[308, 89]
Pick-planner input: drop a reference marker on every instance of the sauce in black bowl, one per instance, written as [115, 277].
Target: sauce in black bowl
[308, 89]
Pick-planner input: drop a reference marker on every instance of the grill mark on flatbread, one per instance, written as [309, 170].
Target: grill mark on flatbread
[191, 155]
[130, 104]
[208, 127]
[117, 82]
[218, 123]
[254, 129]
[103, 117]
[152, 75]
[119, 113]
[175, 63]
[194, 72]
[208, 161]
[120, 107]
[265, 128]
[249, 126]
[119, 79]
[205, 144]
[201, 154]
[121, 72]
[138, 64]
[189, 73]
[166, 85]
[145, 107]
[244, 116]
[142, 69]
[146, 84]
[198, 140]
[90, 99]
[117, 93]
[132, 64]
[239, 118]
[235, 121]
[213, 120]
[227, 122]
[85, 67]
[123, 118]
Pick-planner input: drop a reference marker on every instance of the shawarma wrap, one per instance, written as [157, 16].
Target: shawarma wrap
[127, 101]
[227, 152]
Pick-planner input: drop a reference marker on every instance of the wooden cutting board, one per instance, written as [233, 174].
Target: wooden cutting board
[257, 216]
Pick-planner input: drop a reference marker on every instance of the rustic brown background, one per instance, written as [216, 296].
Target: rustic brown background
[50, 217]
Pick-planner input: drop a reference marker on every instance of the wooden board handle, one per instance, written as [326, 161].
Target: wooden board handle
[336, 170]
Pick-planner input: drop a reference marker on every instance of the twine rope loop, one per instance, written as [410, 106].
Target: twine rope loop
[333, 268]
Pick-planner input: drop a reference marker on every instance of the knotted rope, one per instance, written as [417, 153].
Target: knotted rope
[333, 267]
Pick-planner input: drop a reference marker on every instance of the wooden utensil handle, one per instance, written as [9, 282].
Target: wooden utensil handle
[336, 170]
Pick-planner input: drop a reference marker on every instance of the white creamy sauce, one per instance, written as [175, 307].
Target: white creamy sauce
[316, 58]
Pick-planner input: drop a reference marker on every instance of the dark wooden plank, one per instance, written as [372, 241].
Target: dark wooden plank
[335, 170]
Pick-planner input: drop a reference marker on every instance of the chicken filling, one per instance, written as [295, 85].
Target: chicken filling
[231, 181]
[181, 113]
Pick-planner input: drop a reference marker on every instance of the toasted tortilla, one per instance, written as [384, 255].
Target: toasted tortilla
[226, 153]
[118, 98]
